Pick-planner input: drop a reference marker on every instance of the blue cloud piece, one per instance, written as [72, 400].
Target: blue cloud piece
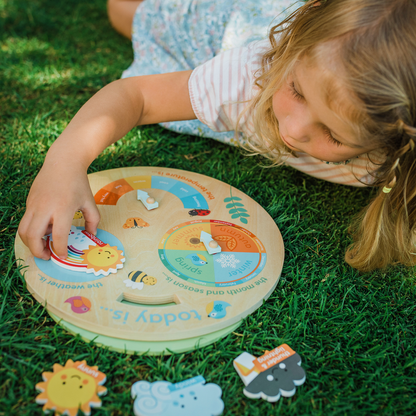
[186, 398]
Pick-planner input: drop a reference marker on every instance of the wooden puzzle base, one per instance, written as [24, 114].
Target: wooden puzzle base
[148, 277]
[127, 346]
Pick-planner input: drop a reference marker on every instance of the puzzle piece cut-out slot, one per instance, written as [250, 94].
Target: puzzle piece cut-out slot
[274, 374]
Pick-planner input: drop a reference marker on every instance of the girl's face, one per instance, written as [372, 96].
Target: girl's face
[306, 122]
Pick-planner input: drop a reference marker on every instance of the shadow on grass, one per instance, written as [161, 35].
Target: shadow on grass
[355, 333]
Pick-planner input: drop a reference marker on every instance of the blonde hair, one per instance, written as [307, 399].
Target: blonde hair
[376, 46]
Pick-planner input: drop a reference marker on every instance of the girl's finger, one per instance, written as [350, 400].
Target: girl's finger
[32, 235]
[92, 217]
[60, 231]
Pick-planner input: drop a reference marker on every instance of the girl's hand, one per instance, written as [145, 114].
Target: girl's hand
[61, 187]
[57, 193]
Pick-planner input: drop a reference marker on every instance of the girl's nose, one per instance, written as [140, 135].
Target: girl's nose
[298, 129]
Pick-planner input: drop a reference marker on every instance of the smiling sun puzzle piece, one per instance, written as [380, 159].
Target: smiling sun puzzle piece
[70, 388]
[276, 373]
[187, 398]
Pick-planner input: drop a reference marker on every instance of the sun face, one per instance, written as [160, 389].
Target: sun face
[68, 384]
[67, 389]
[104, 258]
[194, 242]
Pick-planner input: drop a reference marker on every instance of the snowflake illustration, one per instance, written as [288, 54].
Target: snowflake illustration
[228, 260]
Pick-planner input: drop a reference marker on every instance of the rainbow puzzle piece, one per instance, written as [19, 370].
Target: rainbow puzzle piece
[67, 389]
[87, 253]
[186, 398]
[274, 374]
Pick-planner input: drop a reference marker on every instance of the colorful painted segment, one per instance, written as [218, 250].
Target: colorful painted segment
[190, 197]
[242, 258]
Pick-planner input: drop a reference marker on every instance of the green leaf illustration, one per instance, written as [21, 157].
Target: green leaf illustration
[232, 211]
[236, 204]
[233, 198]
[236, 208]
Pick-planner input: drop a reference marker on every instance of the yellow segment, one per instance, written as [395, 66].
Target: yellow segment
[185, 238]
[71, 388]
[139, 182]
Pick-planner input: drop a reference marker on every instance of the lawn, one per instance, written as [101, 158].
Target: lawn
[355, 332]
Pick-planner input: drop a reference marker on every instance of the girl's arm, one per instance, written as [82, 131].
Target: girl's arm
[62, 186]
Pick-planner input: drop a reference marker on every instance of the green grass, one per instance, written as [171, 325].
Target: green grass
[355, 332]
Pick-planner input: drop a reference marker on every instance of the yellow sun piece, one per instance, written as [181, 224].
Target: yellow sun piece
[70, 388]
[102, 258]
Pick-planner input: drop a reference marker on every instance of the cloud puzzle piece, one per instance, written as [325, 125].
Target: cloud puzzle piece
[274, 374]
[186, 398]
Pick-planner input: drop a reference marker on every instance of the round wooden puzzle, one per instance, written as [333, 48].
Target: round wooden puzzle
[147, 280]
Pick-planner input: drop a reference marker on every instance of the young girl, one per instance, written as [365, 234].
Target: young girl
[332, 92]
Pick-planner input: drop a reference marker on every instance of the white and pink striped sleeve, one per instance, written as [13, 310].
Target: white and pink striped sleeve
[357, 172]
[220, 88]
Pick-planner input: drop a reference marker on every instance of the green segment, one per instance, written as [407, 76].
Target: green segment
[191, 264]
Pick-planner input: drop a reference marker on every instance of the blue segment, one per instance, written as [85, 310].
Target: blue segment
[183, 190]
[249, 277]
[165, 184]
[190, 197]
[59, 273]
[235, 268]
[196, 201]
[262, 262]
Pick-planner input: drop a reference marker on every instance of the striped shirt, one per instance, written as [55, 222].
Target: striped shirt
[219, 91]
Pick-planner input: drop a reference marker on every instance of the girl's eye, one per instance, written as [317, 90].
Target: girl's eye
[330, 138]
[300, 97]
[295, 93]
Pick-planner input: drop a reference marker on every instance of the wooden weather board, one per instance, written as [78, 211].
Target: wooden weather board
[169, 288]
